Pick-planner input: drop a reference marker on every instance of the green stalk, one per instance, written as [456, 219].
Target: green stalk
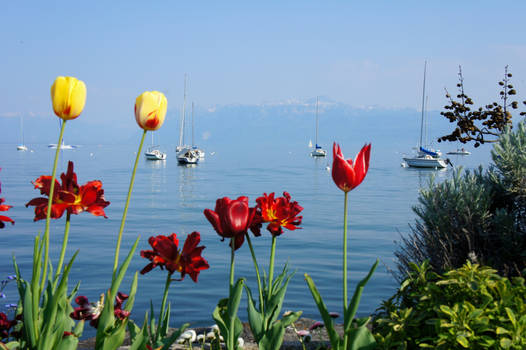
[163, 304]
[271, 266]
[49, 203]
[123, 220]
[64, 244]
[232, 255]
[232, 319]
[262, 308]
[345, 336]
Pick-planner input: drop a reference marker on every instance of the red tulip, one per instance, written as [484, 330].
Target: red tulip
[279, 213]
[345, 174]
[166, 254]
[69, 196]
[231, 218]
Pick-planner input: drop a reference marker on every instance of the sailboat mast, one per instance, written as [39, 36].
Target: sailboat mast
[423, 105]
[181, 131]
[192, 124]
[316, 122]
[22, 129]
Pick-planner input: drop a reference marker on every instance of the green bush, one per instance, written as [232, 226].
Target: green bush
[480, 215]
[470, 307]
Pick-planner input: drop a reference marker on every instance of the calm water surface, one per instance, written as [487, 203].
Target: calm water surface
[170, 198]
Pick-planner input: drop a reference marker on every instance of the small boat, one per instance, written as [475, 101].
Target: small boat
[62, 146]
[21, 146]
[460, 151]
[187, 156]
[426, 161]
[425, 158]
[154, 153]
[318, 151]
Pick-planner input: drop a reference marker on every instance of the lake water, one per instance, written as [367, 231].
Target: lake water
[171, 198]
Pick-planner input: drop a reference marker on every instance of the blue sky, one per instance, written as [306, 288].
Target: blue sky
[245, 52]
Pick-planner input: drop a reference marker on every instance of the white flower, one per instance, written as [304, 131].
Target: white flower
[200, 338]
[188, 336]
[240, 342]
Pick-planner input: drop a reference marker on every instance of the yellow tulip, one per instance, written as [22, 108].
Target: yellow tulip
[150, 110]
[69, 97]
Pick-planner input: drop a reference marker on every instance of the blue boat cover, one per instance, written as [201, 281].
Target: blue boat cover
[431, 153]
[318, 147]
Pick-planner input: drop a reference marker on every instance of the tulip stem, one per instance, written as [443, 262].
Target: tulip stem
[64, 245]
[49, 205]
[271, 266]
[232, 255]
[261, 305]
[125, 212]
[163, 305]
[345, 336]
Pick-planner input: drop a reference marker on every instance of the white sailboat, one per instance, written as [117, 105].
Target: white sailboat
[461, 151]
[154, 153]
[184, 153]
[21, 146]
[62, 146]
[425, 158]
[318, 151]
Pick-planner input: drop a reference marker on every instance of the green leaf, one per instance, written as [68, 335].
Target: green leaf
[176, 334]
[122, 270]
[505, 343]
[29, 321]
[462, 341]
[255, 319]
[361, 339]
[139, 338]
[355, 301]
[327, 320]
[273, 338]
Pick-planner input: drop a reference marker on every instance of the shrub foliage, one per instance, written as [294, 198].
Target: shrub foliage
[471, 307]
[478, 214]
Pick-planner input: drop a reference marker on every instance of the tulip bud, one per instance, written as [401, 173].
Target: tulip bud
[150, 110]
[68, 95]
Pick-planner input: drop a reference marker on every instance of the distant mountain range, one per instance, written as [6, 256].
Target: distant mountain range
[283, 122]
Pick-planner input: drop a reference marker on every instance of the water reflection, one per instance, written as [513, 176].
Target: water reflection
[187, 187]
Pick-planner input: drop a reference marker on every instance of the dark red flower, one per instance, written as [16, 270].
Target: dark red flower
[69, 196]
[166, 254]
[91, 311]
[5, 326]
[278, 212]
[345, 174]
[4, 207]
[3, 219]
[231, 218]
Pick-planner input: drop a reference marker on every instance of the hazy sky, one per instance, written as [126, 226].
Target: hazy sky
[248, 52]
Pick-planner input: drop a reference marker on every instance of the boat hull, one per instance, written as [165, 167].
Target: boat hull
[187, 156]
[425, 162]
[319, 153]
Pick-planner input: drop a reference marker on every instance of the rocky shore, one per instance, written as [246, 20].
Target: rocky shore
[290, 341]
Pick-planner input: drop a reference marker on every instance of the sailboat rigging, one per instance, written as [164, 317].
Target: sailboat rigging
[154, 153]
[185, 153]
[21, 146]
[425, 158]
[318, 150]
